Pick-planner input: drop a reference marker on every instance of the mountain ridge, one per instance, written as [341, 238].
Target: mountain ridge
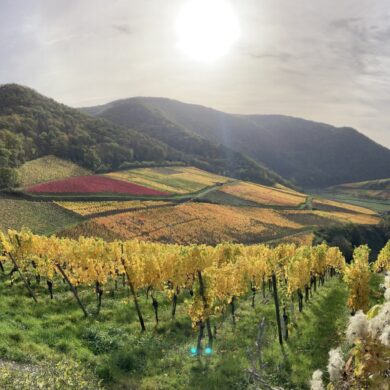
[309, 153]
[32, 126]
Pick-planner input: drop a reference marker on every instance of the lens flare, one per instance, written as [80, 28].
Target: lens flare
[207, 29]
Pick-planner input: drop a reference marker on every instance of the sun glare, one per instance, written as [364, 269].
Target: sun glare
[206, 29]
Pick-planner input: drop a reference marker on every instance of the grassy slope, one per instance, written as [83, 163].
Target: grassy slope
[48, 168]
[113, 346]
[374, 194]
[373, 204]
[373, 189]
[40, 217]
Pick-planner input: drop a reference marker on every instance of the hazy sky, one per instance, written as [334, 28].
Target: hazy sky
[326, 60]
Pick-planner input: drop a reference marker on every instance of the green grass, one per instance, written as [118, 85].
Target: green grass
[48, 168]
[113, 347]
[40, 217]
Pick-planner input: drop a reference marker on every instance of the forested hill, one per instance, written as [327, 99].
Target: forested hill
[310, 154]
[32, 126]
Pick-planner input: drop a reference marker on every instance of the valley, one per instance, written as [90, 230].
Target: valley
[155, 254]
[172, 204]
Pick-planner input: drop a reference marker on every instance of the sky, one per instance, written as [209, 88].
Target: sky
[324, 60]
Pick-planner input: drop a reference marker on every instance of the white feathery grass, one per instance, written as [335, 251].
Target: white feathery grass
[357, 327]
[335, 365]
[387, 281]
[387, 295]
[316, 381]
[385, 336]
[377, 324]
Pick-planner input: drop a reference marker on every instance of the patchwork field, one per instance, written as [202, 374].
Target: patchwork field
[375, 189]
[331, 205]
[47, 169]
[264, 195]
[40, 217]
[179, 180]
[188, 206]
[197, 223]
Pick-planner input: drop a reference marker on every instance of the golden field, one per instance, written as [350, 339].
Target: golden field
[346, 206]
[264, 195]
[198, 223]
[89, 208]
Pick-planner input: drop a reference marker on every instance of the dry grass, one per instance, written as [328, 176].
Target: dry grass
[265, 195]
[179, 180]
[46, 169]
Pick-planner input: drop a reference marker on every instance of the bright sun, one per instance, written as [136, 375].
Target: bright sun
[206, 29]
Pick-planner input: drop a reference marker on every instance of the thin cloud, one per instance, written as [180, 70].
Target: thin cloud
[123, 29]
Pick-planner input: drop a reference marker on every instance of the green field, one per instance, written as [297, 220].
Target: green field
[48, 168]
[111, 347]
[39, 217]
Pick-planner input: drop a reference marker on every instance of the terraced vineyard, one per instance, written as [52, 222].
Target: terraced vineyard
[331, 205]
[172, 204]
[92, 185]
[264, 195]
[92, 208]
[375, 189]
[180, 180]
[212, 223]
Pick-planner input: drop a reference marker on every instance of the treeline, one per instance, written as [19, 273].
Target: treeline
[33, 126]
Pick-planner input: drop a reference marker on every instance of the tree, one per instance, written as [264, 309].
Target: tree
[8, 177]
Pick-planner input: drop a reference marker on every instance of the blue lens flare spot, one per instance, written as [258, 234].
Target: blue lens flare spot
[193, 351]
[208, 351]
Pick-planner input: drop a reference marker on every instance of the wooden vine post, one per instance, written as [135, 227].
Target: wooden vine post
[73, 289]
[205, 306]
[276, 300]
[26, 284]
[133, 293]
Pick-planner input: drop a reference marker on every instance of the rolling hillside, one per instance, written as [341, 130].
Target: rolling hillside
[168, 204]
[33, 126]
[48, 168]
[374, 189]
[308, 153]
